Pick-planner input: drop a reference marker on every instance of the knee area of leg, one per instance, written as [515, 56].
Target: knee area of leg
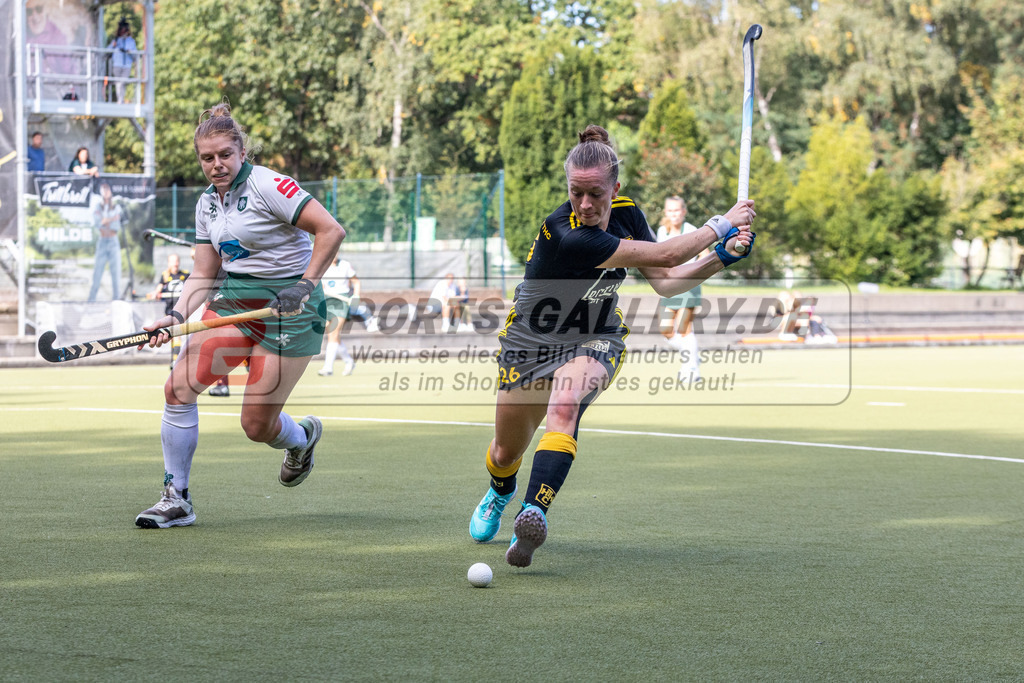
[256, 430]
[563, 412]
[505, 459]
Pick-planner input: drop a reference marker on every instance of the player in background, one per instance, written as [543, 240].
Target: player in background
[563, 338]
[342, 289]
[168, 290]
[678, 311]
[256, 224]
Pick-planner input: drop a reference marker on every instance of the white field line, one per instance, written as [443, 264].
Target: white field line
[616, 432]
[888, 387]
[753, 383]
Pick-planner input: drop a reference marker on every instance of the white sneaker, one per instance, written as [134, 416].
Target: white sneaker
[350, 365]
[298, 462]
[172, 510]
[324, 372]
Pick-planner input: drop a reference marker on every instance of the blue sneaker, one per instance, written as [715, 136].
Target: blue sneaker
[531, 529]
[486, 520]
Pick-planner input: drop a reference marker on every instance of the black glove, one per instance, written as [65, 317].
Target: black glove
[290, 299]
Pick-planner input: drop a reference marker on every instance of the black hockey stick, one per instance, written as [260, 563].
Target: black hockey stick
[150, 234]
[753, 33]
[93, 348]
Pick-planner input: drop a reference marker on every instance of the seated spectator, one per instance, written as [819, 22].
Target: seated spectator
[82, 164]
[36, 153]
[438, 303]
[458, 304]
[799, 320]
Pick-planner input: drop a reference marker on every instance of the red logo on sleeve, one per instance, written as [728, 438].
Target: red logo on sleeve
[288, 187]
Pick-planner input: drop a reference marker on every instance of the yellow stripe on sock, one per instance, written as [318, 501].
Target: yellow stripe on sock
[502, 471]
[557, 441]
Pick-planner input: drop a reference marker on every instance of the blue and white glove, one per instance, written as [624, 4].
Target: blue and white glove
[724, 256]
[289, 300]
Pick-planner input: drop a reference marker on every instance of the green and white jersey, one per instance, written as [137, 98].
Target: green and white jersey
[337, 281]
[253, 227]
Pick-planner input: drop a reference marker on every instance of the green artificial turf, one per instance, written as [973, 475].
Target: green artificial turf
[770, 554]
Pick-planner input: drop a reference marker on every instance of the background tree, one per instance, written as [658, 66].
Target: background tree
[831, 207]
[558, 95]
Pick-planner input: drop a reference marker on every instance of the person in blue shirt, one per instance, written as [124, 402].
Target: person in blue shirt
[36, 154]
[122, 57]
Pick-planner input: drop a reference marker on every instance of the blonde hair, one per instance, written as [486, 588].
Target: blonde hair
[682, 205]
[594, 150]
[217, 121]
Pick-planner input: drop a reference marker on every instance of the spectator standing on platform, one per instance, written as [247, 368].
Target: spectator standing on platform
[36, 153]
[82, 164]
[679, 311]
[123, 57]
[106, 217]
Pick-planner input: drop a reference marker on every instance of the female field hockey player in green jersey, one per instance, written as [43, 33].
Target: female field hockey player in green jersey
[563, 338]
[256, 224]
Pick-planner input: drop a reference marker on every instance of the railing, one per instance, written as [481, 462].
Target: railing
[69, 72]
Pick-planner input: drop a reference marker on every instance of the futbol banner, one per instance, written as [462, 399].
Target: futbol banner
[8, 129]
[64, 190]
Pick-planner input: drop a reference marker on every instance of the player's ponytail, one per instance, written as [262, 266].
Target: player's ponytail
[594, 151]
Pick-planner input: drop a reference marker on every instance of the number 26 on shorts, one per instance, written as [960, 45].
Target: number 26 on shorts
[511, 376]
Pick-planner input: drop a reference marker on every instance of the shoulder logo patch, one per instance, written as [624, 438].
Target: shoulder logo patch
[288, 187]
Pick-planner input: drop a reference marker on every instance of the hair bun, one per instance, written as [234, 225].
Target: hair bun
[221, 109]
[594, 133]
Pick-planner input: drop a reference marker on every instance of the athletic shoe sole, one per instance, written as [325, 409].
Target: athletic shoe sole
[531, 531]
[151, 523]
[313, 437]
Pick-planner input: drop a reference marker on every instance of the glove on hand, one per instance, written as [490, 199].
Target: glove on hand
[289, 300]
[728, 259]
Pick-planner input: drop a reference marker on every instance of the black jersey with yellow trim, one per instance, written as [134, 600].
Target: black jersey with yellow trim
[565, 293]
[565, 248]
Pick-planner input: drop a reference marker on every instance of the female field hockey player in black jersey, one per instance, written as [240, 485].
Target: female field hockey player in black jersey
[256, 224]
[563, 338]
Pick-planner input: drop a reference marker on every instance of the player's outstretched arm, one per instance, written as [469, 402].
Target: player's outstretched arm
[673, 281]
[680, 249]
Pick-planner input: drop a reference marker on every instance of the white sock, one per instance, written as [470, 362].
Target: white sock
[292, 435]
[676, 342]
[343, 350]
[689, 351]
[179, 434]
[330, 353]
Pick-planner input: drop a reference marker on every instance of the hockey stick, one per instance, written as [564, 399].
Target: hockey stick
[753, 33]
[93, 348]
[150, 234]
